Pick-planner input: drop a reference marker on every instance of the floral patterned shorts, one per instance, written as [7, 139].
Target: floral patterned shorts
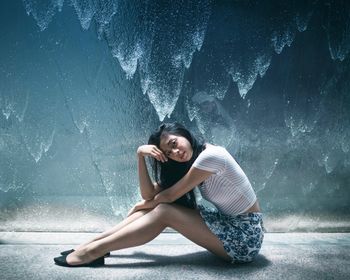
[241, 235]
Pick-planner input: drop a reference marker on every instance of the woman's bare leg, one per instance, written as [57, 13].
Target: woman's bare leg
[186, 221]
[114, 229]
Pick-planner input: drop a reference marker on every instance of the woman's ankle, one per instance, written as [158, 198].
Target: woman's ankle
[93, 251]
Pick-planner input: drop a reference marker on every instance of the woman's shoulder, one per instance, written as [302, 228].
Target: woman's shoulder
[212, 158]
[214, 149]
[211, 146]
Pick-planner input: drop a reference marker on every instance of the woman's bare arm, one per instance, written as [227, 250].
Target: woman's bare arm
[192, 178]
[148, 188]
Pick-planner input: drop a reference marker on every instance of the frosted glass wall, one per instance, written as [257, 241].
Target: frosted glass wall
[83, 82]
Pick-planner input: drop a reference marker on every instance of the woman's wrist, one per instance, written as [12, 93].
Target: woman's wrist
[139, 153]
[140, 157]
[160, 198]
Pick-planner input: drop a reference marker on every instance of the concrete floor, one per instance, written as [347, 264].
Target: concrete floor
[29, 255]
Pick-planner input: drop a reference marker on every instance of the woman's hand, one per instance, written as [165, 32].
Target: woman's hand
[152, 151]
[144, 204]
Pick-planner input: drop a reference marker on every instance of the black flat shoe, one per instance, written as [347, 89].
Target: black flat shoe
[65, 253]
[62, 261]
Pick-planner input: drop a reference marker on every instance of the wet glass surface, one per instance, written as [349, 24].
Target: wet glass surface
[82, 84]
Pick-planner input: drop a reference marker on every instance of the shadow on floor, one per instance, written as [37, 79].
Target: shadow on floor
[199, 259]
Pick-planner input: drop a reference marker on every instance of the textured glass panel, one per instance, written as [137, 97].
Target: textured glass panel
[84, 82]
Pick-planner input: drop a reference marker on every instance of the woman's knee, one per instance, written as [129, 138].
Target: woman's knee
[163, 211]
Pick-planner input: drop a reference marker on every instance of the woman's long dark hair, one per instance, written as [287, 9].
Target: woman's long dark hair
[168, 173]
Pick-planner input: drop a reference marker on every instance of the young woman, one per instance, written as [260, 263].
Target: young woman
[234, 231]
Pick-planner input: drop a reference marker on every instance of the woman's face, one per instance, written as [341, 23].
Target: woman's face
[176, 147]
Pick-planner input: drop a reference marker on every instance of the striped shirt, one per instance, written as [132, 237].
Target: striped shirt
[228, 188]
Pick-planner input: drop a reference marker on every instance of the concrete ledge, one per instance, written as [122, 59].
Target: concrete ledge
[29, 255]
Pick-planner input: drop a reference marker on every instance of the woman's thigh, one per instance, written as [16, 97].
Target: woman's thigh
[190, 223]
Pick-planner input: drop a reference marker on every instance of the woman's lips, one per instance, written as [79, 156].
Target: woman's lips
[183, 155]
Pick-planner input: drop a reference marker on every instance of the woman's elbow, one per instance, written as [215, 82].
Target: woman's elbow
[147, 196]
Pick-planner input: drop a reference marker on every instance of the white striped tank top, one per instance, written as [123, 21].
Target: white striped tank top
[228, 188]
